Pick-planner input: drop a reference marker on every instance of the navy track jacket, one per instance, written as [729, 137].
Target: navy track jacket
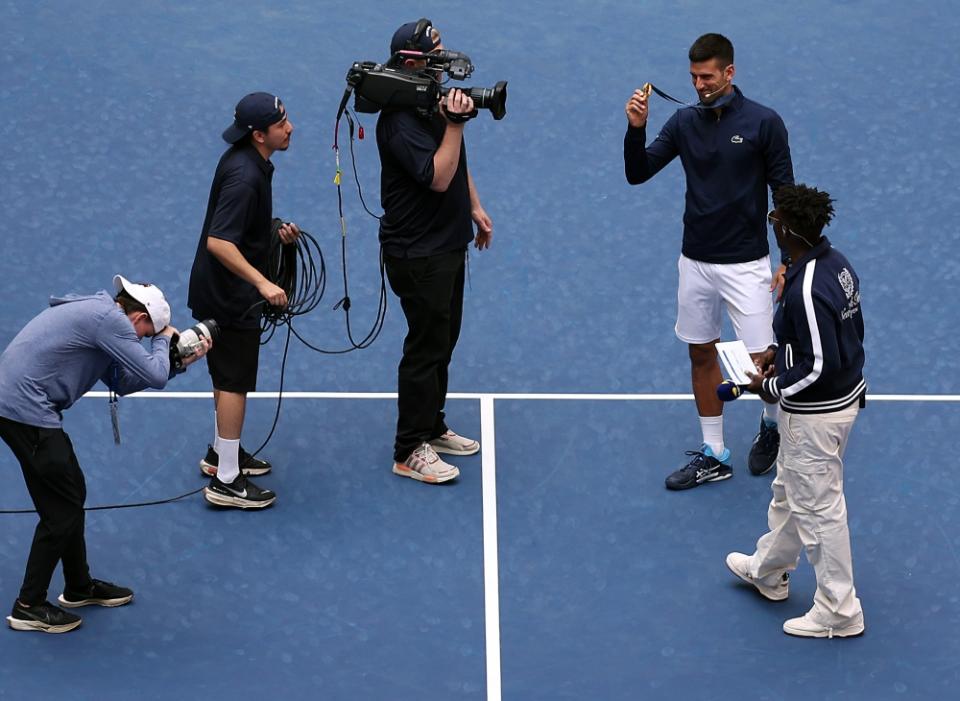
[819, 329]
[729, 161]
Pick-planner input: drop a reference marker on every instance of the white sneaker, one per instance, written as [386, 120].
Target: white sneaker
[426, 466]
[739, 564]
[452, 444]
[806, 627]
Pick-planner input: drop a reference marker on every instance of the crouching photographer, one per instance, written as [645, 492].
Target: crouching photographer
[54, 360]
[430, 205]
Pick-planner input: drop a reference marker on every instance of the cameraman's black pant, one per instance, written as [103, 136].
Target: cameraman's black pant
[58, 491]
[431, 295]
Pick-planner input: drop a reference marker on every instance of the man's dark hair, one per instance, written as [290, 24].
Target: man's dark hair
[712, 46]
[804, 209]
[129, 304]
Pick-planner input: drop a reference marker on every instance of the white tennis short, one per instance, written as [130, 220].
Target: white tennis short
[743, 287]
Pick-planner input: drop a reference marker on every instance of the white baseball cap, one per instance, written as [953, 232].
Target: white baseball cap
[149, 296]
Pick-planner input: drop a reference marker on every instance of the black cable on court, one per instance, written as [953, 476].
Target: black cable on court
[300, 269]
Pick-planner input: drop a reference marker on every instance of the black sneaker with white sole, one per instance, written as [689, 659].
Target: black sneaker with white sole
[249, 465]
[703, 467]
[240, 494]
[763, 452]
[45, 618]
[99, 593]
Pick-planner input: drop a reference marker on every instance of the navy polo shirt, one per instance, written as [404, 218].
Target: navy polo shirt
[240, 210]
[417, 221]
[729, 160]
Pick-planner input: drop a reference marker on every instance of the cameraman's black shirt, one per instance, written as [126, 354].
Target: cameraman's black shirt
[240, 211]
[418, 221]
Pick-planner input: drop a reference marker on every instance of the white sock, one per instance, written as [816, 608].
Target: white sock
[215, 434]
[228, 467]
[712, 428]
[771, 413]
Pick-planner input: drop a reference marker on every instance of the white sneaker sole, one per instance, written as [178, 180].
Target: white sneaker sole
[95, 602]
[447, 450]
[404, 471]
[211, 470]
[18, 624]
[765, 593]
[849, 632]
[218, 499]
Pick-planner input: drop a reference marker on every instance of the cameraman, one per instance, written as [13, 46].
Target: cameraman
[430, 204]
[229, 284]
[51, 363]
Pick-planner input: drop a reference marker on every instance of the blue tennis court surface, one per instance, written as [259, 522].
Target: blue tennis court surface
[557, 566]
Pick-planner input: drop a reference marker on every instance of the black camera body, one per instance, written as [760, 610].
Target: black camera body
[387, 86]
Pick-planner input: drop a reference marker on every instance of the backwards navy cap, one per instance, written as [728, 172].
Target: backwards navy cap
[258, 111]
[415, 36]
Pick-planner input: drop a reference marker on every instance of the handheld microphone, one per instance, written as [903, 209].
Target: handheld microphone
[728, 390]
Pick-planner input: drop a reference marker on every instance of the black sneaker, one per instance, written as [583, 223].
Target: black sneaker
[763, 452]
[241, 493]
[704, 467]
[44, 617]
[100, 593]
[249, 465]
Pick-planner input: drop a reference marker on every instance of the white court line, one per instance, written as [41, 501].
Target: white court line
[506, 396]
[491, 568]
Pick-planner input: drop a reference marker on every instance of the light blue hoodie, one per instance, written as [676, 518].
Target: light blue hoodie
[63, 351]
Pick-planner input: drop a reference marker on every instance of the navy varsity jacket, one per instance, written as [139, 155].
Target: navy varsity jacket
[819, 329]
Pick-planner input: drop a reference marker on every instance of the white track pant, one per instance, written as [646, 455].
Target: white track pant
[808, 512]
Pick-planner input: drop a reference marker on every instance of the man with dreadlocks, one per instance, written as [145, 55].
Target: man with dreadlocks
[816, 375]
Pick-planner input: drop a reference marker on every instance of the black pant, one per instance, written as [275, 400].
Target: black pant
[58, 490]
[431, 295]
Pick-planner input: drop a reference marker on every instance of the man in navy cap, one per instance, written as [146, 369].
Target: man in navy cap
[229, 284]
[430, 205]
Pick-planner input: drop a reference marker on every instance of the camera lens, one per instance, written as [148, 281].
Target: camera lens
[493, 99]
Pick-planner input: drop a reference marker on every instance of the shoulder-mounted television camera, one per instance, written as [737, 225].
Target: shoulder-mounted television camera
[389, 86]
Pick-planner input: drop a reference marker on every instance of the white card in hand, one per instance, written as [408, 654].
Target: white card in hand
[736, 361]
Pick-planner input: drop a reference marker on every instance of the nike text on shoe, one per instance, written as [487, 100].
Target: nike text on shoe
[807, 627]
[249, 465]
[763, 452]
[452, 444]
[426, 466]
[45, 618]
[99, 593]
[703, 467]
[241, 494]
[739, 564]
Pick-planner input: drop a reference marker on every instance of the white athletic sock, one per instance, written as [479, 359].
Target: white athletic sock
[771, 413]
[228, 451]
[712, 428]
[215, 433]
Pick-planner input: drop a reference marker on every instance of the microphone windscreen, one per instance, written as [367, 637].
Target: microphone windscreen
[728, 390]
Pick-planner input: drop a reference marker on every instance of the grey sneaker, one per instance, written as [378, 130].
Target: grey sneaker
[739, 564]
[807, 627]
[425, 465]
[452, 444]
